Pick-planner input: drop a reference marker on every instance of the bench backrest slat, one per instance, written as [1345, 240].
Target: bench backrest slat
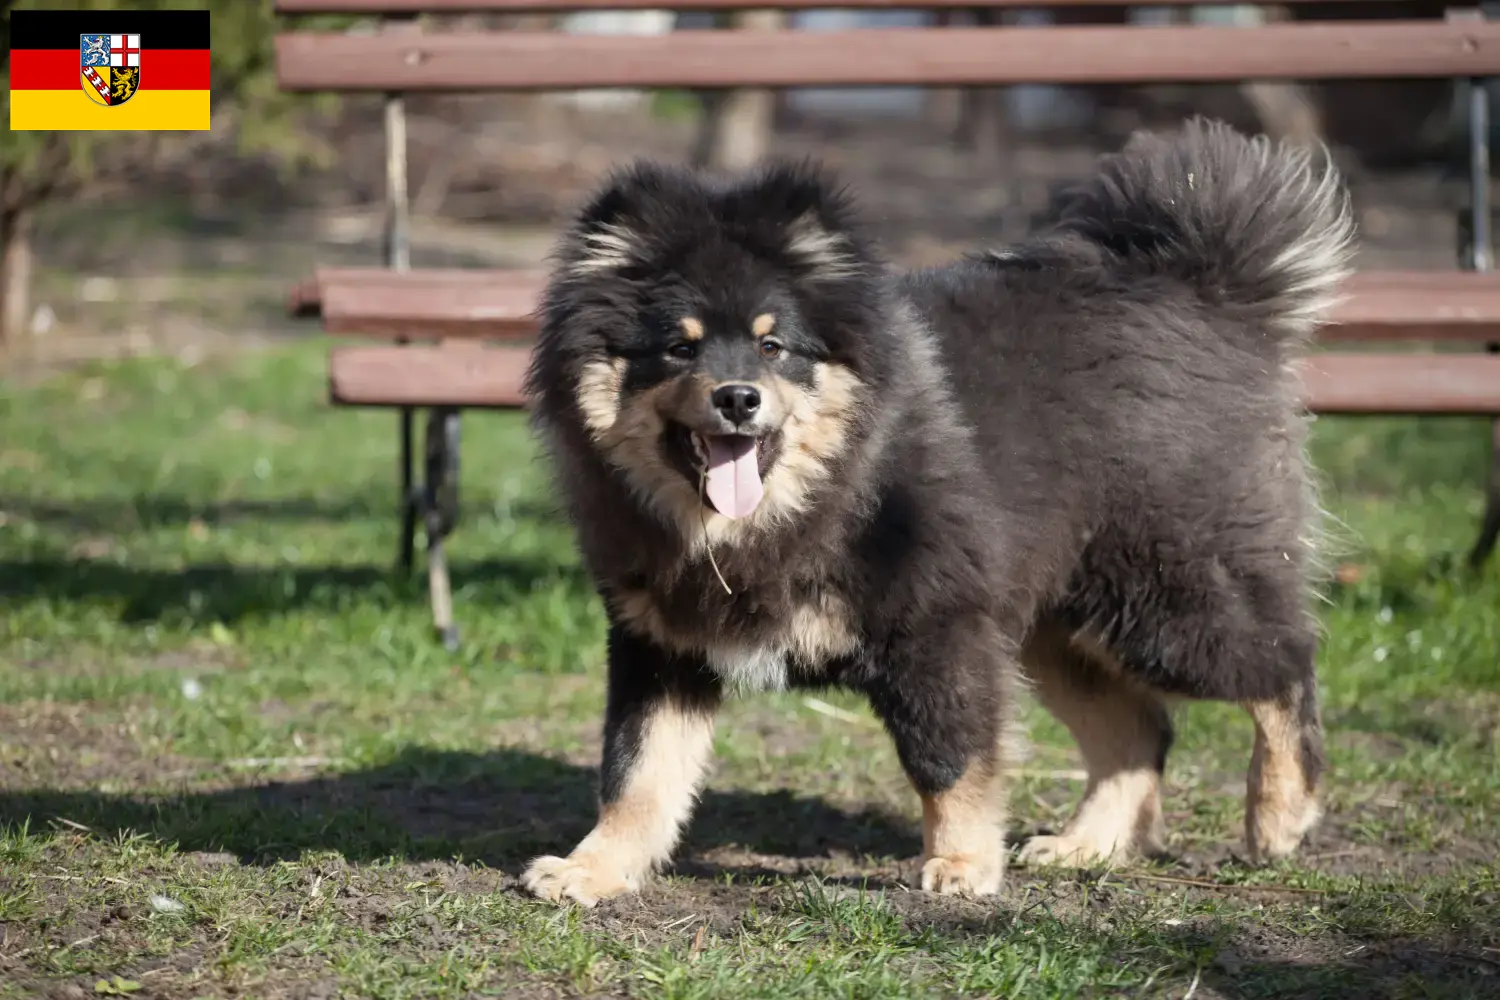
[531, 60]
[483, 304]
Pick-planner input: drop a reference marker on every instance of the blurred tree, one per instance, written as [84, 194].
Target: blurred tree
[737, 125]
[38, 167]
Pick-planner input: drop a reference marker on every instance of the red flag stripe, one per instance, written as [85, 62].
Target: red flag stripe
[60, 69]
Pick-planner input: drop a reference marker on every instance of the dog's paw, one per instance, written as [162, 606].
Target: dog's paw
[584, 879]
[1065, 849]
[1275, 832]
[961, 875]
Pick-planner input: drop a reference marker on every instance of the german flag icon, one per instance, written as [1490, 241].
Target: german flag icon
[109, 70]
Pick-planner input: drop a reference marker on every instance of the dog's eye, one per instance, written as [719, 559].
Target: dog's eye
[683, 350]
[770, 349]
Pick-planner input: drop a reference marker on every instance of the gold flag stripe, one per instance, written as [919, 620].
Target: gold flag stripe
[74, 111]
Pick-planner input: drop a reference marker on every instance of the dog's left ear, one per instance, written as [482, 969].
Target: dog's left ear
[611, 231]
[813, 218]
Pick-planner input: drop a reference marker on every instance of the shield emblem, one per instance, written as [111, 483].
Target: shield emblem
[110, 67]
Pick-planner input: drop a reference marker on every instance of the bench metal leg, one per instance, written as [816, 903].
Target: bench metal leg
[1489, 529]
[1479, 258]
[440, 515]
[409, 499]
[436, 501]
[397, 239]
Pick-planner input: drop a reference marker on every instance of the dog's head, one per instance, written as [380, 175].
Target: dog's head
[709, 337]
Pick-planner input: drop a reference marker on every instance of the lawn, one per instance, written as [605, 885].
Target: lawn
[234, 761]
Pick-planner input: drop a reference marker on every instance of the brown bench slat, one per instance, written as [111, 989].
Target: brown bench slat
[547, 60]
[306, 299]
[442, 279]
[1403, 384]
[568, 6]
[451, 375]
[1389, 305]
[449, 303]
[471, 376]
[1418, 305]
[430, 303]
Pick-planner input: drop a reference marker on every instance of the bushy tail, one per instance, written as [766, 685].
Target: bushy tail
[1265, 228]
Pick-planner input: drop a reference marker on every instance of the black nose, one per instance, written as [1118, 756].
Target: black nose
[737, 403]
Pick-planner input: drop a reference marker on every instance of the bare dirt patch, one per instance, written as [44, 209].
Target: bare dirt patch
[503, 806]
[748, 863]
[72, 745]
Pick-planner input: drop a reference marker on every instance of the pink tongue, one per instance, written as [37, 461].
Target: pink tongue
[733, 476]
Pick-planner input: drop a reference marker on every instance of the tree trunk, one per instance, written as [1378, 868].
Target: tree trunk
[1286, 110]
[15, 274]
[736, 127]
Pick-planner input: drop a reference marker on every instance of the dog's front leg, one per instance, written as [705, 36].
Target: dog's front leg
[945, 696]
[658, 736]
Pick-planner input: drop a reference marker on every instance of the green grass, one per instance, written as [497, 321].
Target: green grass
[215, 694]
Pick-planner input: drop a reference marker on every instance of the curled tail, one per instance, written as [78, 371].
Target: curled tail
[1264, 228]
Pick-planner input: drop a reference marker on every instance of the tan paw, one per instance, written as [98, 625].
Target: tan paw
[961, 875]
[1272, 833]
[1066, 849]
[584, 879]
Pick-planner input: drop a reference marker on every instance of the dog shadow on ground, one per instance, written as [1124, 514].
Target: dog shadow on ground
[232, 593]
[505, 806]
[77, 561]
[500, 808]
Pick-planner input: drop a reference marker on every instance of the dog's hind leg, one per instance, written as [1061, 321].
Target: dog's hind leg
[1286, 770]
[1124, 732]
[1238, 632]
[658, 736]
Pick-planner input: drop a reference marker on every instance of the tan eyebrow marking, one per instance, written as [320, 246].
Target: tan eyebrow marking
[763, 324]
[692, 327]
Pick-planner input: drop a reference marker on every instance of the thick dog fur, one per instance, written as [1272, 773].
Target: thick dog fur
[1074, 463]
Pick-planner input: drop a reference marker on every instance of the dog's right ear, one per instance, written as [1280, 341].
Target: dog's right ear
[608, 233]
[603, 238]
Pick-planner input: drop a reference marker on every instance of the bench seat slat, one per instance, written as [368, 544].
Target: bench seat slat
[471, 376]
[1403, 384]
[464, 375]
[500, 304]
[546, 60]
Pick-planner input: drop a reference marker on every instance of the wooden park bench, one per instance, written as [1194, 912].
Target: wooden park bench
[454, 339]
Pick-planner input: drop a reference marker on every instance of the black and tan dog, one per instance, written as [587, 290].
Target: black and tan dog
[1074, 464]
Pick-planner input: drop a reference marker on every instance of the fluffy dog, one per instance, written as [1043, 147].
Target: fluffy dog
[1075, 463]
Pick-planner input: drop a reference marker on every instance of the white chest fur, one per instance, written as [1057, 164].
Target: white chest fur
[749, 669]
[815, 632]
